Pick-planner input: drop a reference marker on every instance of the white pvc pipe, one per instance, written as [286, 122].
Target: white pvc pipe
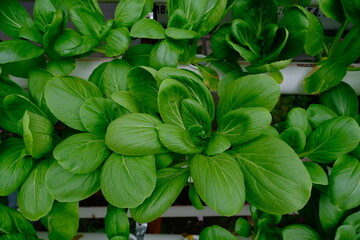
[102, 236]
[173, 211]
[294, 74]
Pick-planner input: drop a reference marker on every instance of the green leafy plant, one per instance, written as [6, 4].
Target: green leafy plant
[45, 41]
[188, 22]
[340, 51]
[186, 110]
[326, 136]
[268, 43]
[331, 147]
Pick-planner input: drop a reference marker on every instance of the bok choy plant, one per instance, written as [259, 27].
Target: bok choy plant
[340, 51]
[224, 167]
[326, 136]
[188, 22]
[266, 42]
[46, 41]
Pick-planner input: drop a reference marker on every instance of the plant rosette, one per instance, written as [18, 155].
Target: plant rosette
[327, 137]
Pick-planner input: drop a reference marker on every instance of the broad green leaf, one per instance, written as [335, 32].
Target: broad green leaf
[116, 222]
[345, 172]
[13, 16]
[258, 13]
[325, 75]
[8, 86]
[333, 9]
[163, 160]
[242, 93]
[297, 118]
[244, 124]
[126, 181]
[22, 68]
[127, 100]
[272, 68]
[330, 217]
[63, 220]
[177, 18]
[143, 85]
[171, 94]
[332, 139]
[242, 32]
[16, 105]
[315, 35]
[271, 131]
[81, 153]
[299, 232]
[111, 76]
[345, 232]
[31, 34]
[353, 220]
[218, 143]
[194, 84]
[342, 99]
[318, 114]
[194, 198]
[165, 54]
[67, 39]
[36, 86]
[9, 124]
[244, 52]
[317, 174]
[117, 42]
[44, 11]
[242, 227]
[90, 5]
[348, 50]
[134, 134]
[18, 50]
[86, 21]
[147, 28]
[297, 23]
[194, 10]
[219, 44]
[352, 9]
[86, 45]
[219, 182]
[128, 12]
[61, 67]
[194, 114]
[65, 96]
[230, 76]
[216, 232]
[34, 198]
[214, 12]
[295, 137]
[177, 139]
[97, 113]
[277, 181]
[15, 165]
[53, 31]
[170, 182]
[138, 55]
[11, 221]
[180, 34]
[65, 186]
[38, 134]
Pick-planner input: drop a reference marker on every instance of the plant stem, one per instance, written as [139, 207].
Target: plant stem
[99, 50]
[338, 36]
